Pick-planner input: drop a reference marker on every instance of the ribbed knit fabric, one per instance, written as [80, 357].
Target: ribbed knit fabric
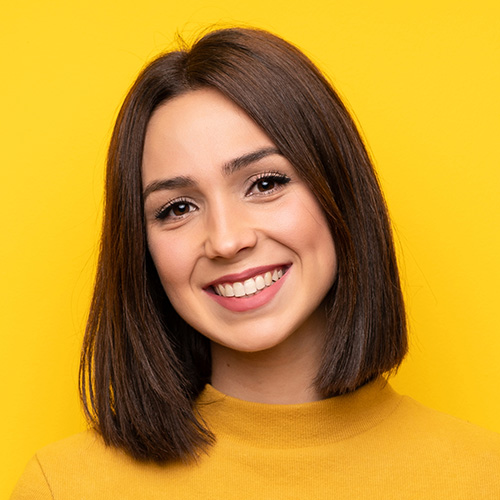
[372, 444]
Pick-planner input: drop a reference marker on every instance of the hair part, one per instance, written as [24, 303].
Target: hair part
[142, 366]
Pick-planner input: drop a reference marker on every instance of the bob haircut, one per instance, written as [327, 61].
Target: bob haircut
[142, 366]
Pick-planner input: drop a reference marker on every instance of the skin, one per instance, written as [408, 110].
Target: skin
[220, 200]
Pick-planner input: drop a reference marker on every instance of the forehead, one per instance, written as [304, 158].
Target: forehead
[196, 131]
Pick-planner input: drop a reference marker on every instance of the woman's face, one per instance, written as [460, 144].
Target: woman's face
[240, 243]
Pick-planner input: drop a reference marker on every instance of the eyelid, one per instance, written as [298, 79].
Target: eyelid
[280, 178]
[161, 214]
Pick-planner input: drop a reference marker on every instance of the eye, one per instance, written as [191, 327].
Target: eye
[269, 182]
[174, 210]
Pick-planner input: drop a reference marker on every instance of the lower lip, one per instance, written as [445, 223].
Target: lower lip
[243, 304]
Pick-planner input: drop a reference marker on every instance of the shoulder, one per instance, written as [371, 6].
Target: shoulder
[65, 465]
[73, 447]
[83, 454]
[423, 452]
[440, 445]
[431, 425]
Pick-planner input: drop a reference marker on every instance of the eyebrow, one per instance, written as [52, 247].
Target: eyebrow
[166, 184]
[228, 168]
[242, 161]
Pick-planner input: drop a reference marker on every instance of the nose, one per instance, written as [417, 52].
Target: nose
[229, 230]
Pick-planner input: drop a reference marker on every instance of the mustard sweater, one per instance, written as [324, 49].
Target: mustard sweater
[371, 444]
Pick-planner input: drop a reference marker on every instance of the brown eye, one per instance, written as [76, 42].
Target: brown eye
[175, 210]
[265, 185]
[268, 183]
[180, 209]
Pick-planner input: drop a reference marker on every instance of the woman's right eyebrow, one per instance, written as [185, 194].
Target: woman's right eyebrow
[173, 183]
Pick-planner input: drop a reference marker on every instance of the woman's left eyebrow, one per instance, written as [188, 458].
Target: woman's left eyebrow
[242, 161]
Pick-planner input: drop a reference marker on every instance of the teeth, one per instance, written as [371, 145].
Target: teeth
[260, 283]
[239, 289]
[249, 286]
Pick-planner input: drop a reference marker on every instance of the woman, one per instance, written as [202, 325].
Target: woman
[247, 302]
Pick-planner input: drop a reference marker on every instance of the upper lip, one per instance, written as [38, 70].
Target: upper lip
[248, 273]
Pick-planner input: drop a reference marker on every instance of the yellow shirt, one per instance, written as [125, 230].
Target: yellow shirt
[372, 444]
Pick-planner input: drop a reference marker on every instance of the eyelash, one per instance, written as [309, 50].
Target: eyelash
[163, 212]
[277, 178]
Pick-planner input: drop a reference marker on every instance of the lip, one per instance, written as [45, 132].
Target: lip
[242, 304]
[248, 273]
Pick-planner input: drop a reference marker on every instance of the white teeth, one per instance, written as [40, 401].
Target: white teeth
[249, 286]
[260, 284]
[239, 289]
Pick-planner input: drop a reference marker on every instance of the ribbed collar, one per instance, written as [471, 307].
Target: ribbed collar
[297, 425]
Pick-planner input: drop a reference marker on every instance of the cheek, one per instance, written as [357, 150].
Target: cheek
[173, 259]
[304, 225]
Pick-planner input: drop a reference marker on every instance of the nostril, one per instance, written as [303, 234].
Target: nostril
[227, 243]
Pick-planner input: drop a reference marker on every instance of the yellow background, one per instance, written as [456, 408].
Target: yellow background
[424, 81]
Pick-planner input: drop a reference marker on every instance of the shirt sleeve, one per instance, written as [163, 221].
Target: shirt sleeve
[33, 484]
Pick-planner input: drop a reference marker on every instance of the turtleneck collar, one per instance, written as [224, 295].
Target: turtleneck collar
[297, 425]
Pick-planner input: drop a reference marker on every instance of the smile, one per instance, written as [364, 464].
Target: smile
[250, 286]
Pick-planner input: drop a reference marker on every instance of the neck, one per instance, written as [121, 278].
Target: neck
[283, 374]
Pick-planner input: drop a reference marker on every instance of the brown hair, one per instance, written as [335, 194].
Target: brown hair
[142, 365]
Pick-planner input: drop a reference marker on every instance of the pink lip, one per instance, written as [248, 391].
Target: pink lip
[243, 304]
[249, 273]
